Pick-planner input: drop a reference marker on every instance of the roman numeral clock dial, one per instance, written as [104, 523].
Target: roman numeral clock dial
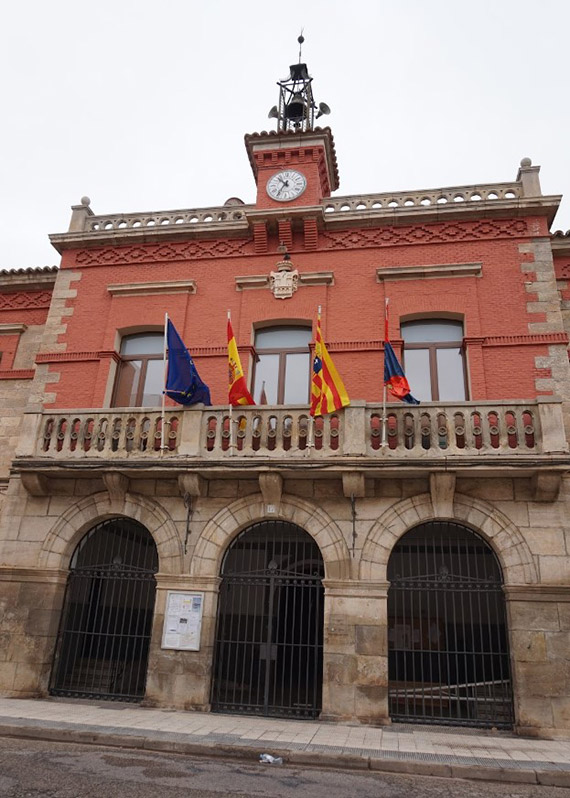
[286, 185]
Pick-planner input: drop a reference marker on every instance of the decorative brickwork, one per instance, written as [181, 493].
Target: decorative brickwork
[25, 300]
[194, 250]
[423, 234]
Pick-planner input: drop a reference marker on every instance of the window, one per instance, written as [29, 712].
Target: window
[141, 372]
[433, 359]
[283, 364]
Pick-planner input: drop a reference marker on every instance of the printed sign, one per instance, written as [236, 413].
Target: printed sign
[183, 621]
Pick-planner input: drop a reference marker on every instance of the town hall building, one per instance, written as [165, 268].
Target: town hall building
[375, 564]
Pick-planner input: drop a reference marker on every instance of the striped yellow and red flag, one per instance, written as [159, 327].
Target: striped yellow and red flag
[238, 392]
[327, 389]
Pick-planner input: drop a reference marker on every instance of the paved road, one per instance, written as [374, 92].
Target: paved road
[37, 769]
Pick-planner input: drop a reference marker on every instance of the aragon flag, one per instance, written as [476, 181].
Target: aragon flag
[238, 392]
[327, 389]
[183, 383]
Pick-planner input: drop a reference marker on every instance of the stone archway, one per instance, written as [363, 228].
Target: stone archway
[104, 633]
[503, 536]
[87, 512]
[244, 512]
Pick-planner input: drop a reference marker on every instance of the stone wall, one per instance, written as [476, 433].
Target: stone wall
[531, 540]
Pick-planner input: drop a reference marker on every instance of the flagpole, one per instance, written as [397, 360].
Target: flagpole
[384, 392]
[231, 409]
[164, 377]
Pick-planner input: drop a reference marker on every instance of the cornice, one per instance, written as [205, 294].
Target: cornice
[163, 287]
[17, 374]
[12, 329]
[262, 280]
[430, 214]
[33, 279]
[291, 139]
[76, 357]
[431, 271]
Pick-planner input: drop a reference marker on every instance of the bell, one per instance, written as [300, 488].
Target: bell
[296, 109]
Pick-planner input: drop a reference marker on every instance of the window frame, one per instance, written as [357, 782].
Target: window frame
[143, 359]
[282, 352]
[432, 347]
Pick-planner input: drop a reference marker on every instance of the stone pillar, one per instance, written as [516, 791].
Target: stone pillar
[30, 609]
[355, 667]
[182, 679]
[528, 178]
[539, 625]
[190, 429]
[79, 215]
[354, 429]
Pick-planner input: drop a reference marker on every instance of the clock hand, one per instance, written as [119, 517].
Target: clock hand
[285, 185]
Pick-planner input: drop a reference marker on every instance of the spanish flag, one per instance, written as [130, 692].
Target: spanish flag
[238, 393]
[327, 389]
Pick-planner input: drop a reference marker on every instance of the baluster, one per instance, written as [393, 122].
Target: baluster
[503, 429]
[485, 431]
[519, 428]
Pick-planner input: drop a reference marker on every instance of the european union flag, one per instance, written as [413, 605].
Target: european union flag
[394, 377]
[182, 381]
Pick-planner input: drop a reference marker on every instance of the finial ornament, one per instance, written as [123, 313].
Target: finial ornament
[297, 109]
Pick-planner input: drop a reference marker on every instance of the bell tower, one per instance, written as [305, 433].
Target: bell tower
[295, 165]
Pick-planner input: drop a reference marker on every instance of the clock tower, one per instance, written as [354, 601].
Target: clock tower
[294, 166]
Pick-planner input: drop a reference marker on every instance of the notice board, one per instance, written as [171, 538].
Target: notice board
[183, 620]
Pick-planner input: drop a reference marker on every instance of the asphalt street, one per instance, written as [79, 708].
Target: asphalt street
[39, 769]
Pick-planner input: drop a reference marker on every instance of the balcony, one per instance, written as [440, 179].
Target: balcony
[518, 439]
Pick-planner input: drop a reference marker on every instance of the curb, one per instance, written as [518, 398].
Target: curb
[320, 759]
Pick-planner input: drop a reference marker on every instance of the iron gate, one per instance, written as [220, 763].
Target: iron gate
[269, 636]
[448, 654]
[104, 634]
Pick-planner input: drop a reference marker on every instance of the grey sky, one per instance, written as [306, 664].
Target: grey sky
[143, 105]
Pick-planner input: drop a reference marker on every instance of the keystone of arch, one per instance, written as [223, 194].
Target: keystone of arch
[83, 515]
[244, 512]
[506, 539]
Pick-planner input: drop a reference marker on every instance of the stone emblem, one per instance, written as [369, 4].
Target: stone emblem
[285, 280]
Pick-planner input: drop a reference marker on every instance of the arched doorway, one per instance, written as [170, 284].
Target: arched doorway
[448, 658]
[106, 620]
[268, 657]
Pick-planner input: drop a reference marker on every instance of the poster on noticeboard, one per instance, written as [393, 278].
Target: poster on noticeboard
[183, 620]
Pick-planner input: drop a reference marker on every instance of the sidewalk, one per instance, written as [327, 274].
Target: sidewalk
[422, 750]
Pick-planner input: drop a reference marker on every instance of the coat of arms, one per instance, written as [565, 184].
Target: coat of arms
[284, 282]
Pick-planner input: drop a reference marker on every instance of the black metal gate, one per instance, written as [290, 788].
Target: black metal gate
[269, 637]
[447, 635]
[104, 634]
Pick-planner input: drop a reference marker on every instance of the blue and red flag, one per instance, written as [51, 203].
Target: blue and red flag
[394, 377]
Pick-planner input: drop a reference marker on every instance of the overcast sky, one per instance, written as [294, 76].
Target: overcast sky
[143, 105]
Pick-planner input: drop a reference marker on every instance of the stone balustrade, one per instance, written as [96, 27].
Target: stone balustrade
[432, 197]
[427, 431]
[133, 221]
[237, 214]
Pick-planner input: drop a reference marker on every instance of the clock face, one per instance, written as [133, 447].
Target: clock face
[286, 185]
